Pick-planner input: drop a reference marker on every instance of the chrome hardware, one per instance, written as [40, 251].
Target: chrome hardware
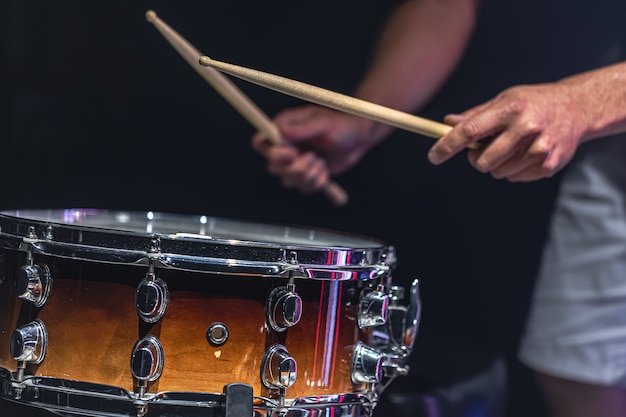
[217, 334]
[394, 366]
[238, 400]
[412, 319]
[389, 258]
[397, 336]
[236, 248]
[146, 361]
[278, 369]
[155, 246]
[283, 308]
[367, 364]
[33, 283]
[373, 309]
[29, 342]
[69, 397]
[152, 298]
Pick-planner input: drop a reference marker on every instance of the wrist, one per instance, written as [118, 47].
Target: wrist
[600, 98]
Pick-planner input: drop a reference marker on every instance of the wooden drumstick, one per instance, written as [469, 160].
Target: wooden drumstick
[229, 91]
[334, 100]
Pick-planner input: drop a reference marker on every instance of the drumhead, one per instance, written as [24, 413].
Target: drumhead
[194, 242]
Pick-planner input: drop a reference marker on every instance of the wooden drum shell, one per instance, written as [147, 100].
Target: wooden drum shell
[92, 326]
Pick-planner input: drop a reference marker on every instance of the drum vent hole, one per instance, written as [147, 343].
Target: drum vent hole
[217, 334]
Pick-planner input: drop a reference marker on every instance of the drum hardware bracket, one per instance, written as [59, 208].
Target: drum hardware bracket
[152, 296]
[29, 344]
[373, 308]
[367, 364]
[389, 258]
[146, 364]
[394, 366]
[293, 258]
[16, 386]
[283, 307]
[19, 377]
[25, 334]
[154, 249]
[238, 400]
[278, 370]
[34, 282]
[397, 336]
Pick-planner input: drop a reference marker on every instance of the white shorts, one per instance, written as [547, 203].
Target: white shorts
[577, 324]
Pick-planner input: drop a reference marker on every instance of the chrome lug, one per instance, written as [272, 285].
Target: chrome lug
[278, 369]
[29, 342]
[33, 283]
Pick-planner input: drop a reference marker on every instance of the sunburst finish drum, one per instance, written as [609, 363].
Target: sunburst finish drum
[143, 313]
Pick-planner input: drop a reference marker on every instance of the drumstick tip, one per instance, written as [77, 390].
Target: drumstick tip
[205, 61]
[151, 15]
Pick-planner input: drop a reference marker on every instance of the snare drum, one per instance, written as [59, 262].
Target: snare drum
[133, 313]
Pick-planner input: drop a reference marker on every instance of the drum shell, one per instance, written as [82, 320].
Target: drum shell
[92, 326]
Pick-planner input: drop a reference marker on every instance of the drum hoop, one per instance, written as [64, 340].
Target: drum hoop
[55, 394]
[190, 252]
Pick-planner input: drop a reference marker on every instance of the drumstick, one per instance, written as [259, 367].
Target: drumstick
[334, 100]
[229, 91]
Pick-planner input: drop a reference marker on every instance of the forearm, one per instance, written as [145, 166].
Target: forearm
[599, 97]
[418, 49]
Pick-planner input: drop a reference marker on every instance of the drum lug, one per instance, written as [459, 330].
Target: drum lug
[279, 368]
[283, 308]
[29, 342]
[152, 298]
[397, 336]
[33, 283]
[146, 362]
[373, 309]
[367, 364]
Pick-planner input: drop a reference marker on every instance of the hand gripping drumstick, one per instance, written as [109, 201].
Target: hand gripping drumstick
[334, 100]
[234, 96]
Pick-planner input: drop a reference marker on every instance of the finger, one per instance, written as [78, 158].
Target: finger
[470, 126]
[455, 118]
[317, 177]
[528, 175]
[532, 173]
[280, 159]
[296, 114]
[303, 125]
[516, 165]
[298, 173]
[532, 156]
[467, 132]
[500, 151]
[547, 168]
[261, 143]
